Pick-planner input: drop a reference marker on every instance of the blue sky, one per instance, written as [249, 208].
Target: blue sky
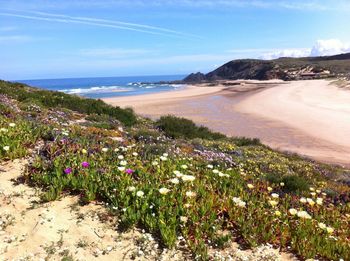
[60, 39]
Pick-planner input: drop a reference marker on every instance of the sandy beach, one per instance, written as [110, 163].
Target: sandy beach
[311, 118]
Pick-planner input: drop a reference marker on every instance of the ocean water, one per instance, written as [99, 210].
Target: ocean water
[102, 87]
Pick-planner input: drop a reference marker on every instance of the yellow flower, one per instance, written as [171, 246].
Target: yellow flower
[310, 201]
[269, 189]
[250, 186]
[84, 151]
[273, 203]
[330, 230]
[278, 213]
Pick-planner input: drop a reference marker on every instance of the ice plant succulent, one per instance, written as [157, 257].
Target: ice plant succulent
[68, 171]
[129, 171]
[85, 164]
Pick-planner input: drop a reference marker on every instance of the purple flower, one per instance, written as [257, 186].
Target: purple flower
[129, 171]
[85, 164]
[68, 170]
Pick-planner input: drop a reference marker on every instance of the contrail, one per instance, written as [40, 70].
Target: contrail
[89, 19]
[101, 22]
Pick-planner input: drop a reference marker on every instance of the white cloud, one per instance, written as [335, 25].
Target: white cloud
[329, 47]
[320, 48]
[9, 39]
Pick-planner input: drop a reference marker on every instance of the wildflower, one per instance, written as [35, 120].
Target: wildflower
[155, 163]
[116, 150]
[165, 154]
[68, 171]
[6, 148]
[278, 213]
[313, 194]
[190, 194]
[310, 201]
[223, 174]
[238, 202]
[187, 205]
[250, 186]
[104, 149]
[135, 154]
[282, 184]
[215, 171]
[131, 189]
[322, 225]
[120, 157]
[184, 166]
[303, 200]
[164, 191]
[123, 163]
[293, 211]
[183, 219]
[319, 201]
[3, 130]
[303, 214]
[84, 151]
[85, 164]
[175, 181]
[275, 195]
[177, 173]
[129, 171]
[273, 203]
[162, 158]
[269, 189]
[312, 189]
[330, 230]
[189, 178]
[140, 194]
[121, 168]
[318, 191]
[12, 124]
[209, 166]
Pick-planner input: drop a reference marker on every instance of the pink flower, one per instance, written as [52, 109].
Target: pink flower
[85, 164]
[68, 171]
[129, 171]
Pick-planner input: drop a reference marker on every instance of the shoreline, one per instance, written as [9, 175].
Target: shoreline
[304, 117]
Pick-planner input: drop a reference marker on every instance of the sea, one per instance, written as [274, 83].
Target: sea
[103, 87]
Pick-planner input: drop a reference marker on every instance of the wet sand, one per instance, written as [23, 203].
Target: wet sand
[311, 118]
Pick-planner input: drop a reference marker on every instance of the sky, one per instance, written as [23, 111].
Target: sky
[41, 39]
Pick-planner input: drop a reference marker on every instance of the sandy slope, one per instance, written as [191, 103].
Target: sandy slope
[30, 230]
[308, 117]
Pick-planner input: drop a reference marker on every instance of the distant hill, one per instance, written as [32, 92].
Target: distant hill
[284, 68]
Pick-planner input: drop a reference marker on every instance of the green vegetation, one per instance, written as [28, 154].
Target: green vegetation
[176, 127]
[49, 99]
[205, 187]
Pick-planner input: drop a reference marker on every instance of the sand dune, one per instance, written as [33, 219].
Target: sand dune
[311, 118]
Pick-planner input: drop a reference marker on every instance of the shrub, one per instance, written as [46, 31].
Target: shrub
[244, 141]
[176, 127]
[294, 183]
[52, 99]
